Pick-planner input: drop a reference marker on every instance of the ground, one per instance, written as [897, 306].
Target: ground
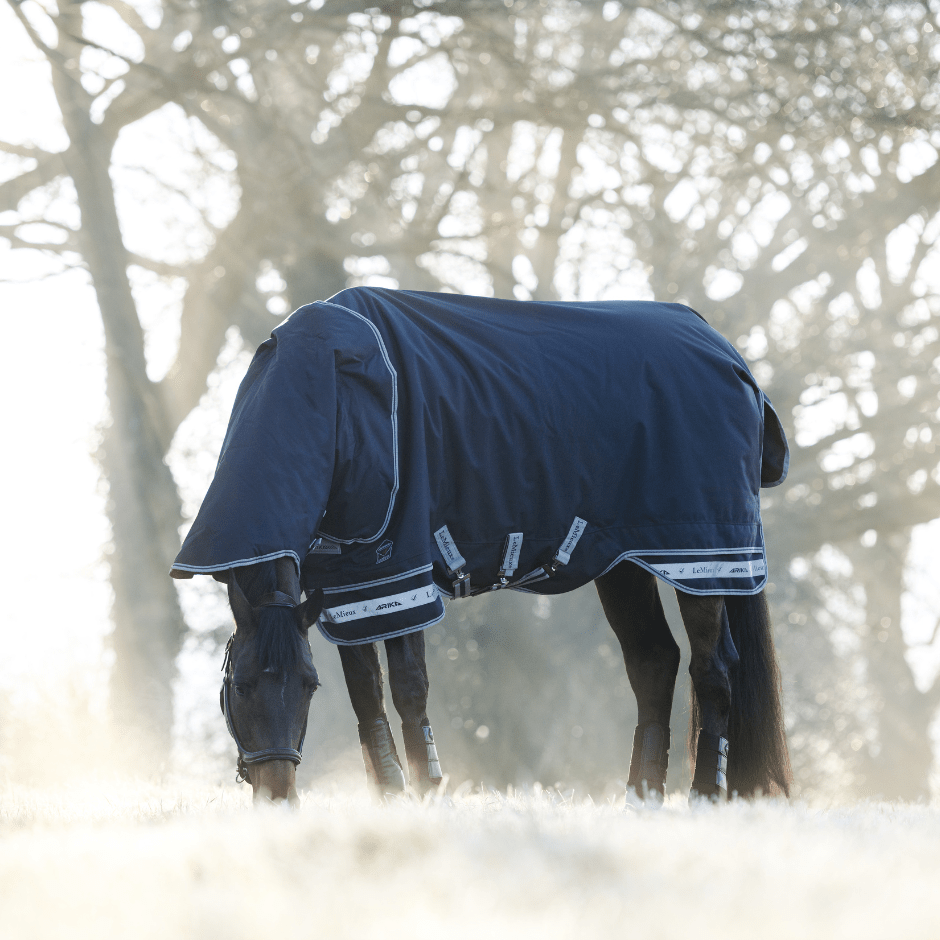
[132, 861]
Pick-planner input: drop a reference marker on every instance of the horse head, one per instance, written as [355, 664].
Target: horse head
[269, 676]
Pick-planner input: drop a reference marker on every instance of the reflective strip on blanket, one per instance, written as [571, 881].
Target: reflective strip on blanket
[714, 569]
[382, 606]
[708, 572]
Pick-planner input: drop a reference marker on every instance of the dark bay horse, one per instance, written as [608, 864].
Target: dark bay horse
[390, 448]
[736, 722]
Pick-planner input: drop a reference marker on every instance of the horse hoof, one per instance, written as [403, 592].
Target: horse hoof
[634, 802]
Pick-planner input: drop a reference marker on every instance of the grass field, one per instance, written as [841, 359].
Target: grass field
[129, 861]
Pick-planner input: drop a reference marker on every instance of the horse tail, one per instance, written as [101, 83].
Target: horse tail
[758, 759]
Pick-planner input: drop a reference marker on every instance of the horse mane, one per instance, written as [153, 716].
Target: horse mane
[278, 643]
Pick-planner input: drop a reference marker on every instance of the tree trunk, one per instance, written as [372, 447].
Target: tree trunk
[899, 767]
[503, 231]
[143, 505]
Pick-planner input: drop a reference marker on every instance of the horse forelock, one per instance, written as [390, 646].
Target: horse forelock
[279, 644]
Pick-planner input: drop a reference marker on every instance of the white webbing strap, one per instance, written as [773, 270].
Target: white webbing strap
[511, 551]
[562, 556]
[454, 560]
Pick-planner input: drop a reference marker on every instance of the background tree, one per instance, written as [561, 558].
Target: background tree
[773, 165]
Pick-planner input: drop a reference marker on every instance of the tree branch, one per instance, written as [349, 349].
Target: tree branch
[50, 167]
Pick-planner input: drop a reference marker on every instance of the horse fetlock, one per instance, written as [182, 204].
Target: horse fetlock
[383, 768]
[424, 766]
[711, 767]
[650, 760]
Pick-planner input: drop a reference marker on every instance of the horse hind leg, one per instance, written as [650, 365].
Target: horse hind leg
[713, 656]
[363, 673]
[408, 680]
[631, 602]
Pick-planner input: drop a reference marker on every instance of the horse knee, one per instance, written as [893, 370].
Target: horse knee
[668, 657]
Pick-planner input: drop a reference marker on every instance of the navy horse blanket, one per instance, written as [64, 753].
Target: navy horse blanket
[404, 446]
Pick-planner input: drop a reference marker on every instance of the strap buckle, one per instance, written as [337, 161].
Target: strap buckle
[461, 584]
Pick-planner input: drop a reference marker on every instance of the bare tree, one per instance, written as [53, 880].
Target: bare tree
[754, 160]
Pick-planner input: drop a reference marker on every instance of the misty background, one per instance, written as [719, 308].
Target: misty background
[176, 177]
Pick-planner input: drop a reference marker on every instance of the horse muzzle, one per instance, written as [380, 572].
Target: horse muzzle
[274, 781]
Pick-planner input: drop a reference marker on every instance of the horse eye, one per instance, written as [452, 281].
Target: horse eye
[240, 690]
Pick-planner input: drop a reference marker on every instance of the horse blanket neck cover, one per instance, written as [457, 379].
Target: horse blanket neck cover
[402, 446]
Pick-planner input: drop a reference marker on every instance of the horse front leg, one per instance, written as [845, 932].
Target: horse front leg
[408, 680]
[713, 656]
[634, 610]
[363, 673]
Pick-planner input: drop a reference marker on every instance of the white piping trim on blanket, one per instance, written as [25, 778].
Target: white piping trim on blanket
[632, 556]
[241, 563]
[388, 580]
[683, 551]
[394, 417]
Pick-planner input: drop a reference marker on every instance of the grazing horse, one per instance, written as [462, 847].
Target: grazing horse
[390, 448]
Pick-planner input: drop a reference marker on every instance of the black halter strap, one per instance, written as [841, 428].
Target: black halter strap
[245, 757]
[277, 599]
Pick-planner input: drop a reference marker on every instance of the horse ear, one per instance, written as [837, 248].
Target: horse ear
[309, 610]
[241, 608]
